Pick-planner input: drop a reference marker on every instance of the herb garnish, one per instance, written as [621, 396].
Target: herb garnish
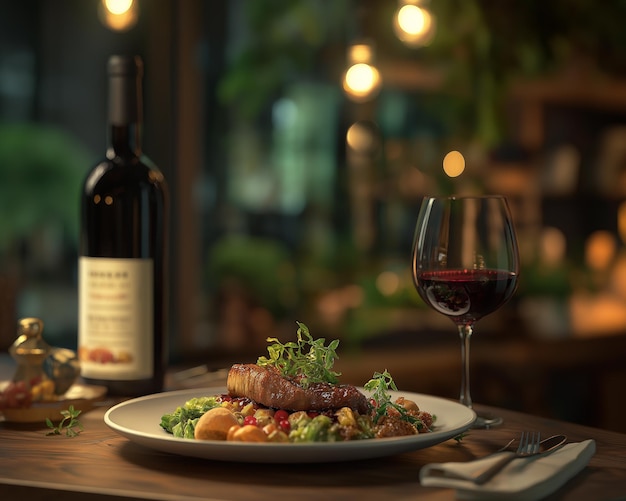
[69, 422]
[380, 384]
[307, 359]
[460, 437]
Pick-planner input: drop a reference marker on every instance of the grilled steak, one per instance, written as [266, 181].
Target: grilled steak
[266, 386]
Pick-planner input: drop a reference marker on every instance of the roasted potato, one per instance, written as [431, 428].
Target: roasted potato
[214, 424]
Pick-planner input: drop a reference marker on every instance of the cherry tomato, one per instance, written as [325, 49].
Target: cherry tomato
[250, 420]
[284, 425]
[281, 415]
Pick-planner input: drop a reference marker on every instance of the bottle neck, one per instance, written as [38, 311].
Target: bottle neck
[125, 110]
[124, 140]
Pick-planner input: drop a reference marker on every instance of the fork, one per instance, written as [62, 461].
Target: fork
[528, 446]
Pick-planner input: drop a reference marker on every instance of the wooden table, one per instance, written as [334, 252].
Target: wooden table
[99, 464]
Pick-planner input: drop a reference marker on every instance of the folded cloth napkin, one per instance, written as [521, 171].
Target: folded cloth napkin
[522, 479]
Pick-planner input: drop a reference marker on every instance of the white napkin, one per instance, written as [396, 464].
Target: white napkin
[522, 479]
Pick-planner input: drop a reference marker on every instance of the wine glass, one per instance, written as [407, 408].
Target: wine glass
[465, 265]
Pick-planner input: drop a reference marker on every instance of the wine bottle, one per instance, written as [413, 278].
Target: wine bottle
[122, 325]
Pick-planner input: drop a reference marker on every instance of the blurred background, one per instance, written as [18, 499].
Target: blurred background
[298, 138]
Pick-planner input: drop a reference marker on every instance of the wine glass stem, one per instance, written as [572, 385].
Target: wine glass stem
[465, 333]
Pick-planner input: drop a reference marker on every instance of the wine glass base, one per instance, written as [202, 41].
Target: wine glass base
[485, 421]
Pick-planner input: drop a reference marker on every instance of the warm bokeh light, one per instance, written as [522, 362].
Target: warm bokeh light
[553, 245]
[333, 305]
[413, 24]
[118, 7]
[360, 53]
[119, 15]
[454, 164]
[363, 137]
[388, 283]
[600, 250]
[362, 79]
[413, 20]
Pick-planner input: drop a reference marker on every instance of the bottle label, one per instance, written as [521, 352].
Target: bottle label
[115, 324]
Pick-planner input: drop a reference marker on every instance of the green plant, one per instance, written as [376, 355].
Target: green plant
[258, 267]
[70, 423]
[282, 39]
[482, 46]
[41, 171]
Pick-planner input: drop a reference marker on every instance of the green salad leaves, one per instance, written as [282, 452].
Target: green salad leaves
[307, 358]
[182, 422]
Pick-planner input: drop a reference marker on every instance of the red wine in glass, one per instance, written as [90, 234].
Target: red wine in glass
[465, 265]
[466, 295]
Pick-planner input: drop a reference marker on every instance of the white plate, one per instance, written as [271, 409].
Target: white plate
[139, 421]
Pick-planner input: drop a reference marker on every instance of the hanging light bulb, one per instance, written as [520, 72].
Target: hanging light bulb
[413, 23]
[362, 80]
[119, 15]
